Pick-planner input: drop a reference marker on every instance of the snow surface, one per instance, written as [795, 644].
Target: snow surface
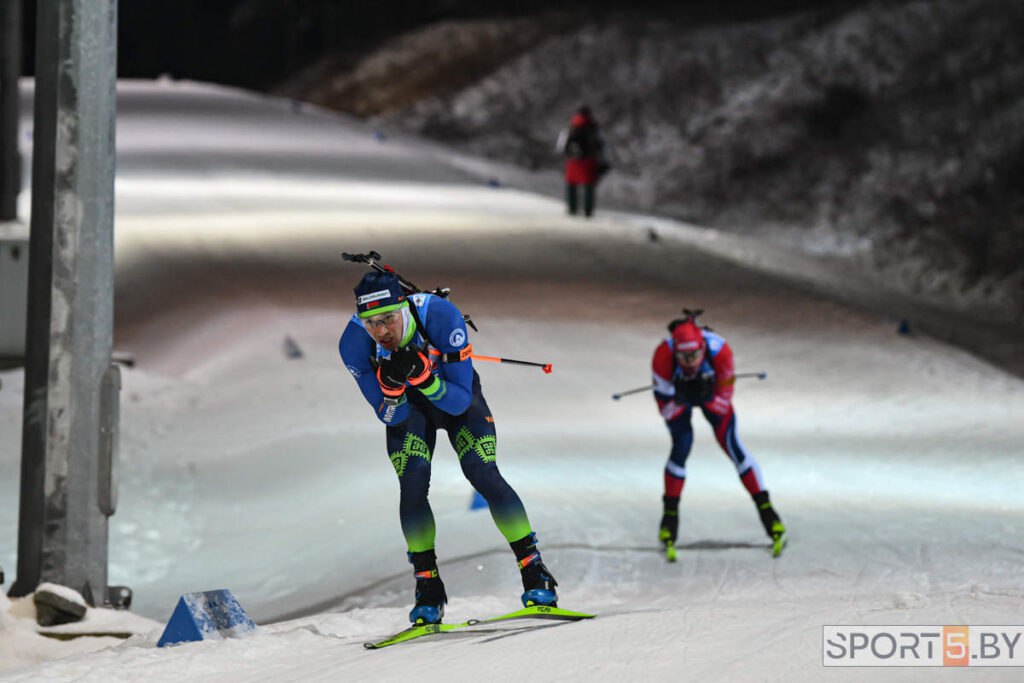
[69, 594]
[894, 459]
[858, 131]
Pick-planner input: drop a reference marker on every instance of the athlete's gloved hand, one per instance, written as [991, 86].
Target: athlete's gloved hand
[414, 363]
[391, 379]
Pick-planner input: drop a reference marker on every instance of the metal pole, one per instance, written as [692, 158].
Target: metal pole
[10, 69]
[69, 425]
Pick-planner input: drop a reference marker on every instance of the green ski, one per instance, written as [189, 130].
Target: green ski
[670, 552]
[779, 537]
[778, 543]
[414, 632]
[532, 612]
[535, 612]
[665, 536]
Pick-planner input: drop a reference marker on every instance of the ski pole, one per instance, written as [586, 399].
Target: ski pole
[546, 367]
[738, 375]
[759, 375]
[372, 259]
[616, 397]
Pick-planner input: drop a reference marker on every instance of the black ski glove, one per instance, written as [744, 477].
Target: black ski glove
[408, 361]
[391, 375]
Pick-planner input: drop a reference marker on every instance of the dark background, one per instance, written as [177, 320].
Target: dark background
[259, 43]
[894, 126]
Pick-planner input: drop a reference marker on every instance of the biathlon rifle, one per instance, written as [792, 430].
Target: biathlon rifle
[372, 259]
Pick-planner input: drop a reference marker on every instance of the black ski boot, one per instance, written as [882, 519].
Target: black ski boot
[669, 528]
[773, 525]
[430, 594]
[538, 583]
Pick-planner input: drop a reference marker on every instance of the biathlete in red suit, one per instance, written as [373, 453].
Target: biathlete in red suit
[693, 367]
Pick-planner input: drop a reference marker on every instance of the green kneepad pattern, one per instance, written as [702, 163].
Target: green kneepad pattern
[413, 446]
[486, 447]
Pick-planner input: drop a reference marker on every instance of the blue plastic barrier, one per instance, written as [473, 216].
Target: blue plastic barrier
[478, 502]
[210, 615]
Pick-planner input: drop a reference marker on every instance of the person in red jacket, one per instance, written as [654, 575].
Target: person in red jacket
[693, 368]
[586, 159]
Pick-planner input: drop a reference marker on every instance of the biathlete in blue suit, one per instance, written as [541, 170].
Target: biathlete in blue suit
[411, 357]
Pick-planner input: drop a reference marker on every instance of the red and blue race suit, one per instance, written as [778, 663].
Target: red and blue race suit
[455, 404]
[718, 411]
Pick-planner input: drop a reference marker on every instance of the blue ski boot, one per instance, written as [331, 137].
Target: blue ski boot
[430, 594]
[538, 583]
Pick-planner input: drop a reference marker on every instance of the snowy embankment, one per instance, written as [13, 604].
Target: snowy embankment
[893, 459]
[885, 136]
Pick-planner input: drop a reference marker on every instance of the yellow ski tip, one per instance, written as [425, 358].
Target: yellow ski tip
[778, 543]
[670, 552]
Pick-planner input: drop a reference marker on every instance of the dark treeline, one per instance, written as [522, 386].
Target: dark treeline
[258, 43]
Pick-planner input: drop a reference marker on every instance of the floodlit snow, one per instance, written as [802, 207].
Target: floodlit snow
[894, 460]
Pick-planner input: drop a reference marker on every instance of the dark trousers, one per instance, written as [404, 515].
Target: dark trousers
[572, 201]
[472, 435]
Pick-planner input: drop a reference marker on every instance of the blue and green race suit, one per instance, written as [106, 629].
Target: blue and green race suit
[452, 402]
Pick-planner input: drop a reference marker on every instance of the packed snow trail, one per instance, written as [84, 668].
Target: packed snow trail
[892, 459]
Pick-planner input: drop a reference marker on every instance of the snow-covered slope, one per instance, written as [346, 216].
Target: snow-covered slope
[885, 134]
[893, 459]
